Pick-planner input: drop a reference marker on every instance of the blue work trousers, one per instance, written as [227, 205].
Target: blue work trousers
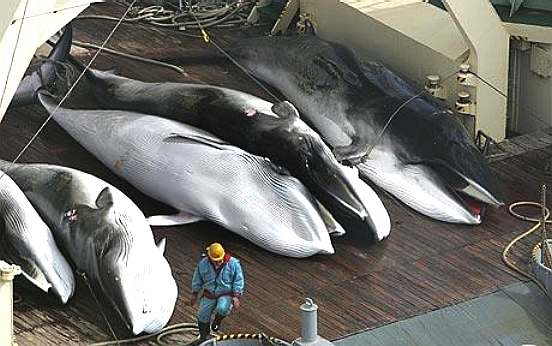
[222, 306]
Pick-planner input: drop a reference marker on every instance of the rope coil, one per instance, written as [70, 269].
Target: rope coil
[538, 224]
[229, 14]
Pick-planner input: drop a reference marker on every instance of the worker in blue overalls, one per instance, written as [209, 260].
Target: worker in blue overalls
[221, 277]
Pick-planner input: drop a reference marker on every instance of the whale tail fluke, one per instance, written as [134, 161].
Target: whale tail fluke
[47, 75]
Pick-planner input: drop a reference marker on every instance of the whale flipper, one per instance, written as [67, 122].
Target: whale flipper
[181, 218]
[26, 240]
[29, 269]
[204, 138]
[36, 277]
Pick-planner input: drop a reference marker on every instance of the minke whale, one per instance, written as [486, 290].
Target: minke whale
[105, 236]
[27, 241]
[270, 130]
[197, 173]
[425, 157]
[203, 177]
[259, 127]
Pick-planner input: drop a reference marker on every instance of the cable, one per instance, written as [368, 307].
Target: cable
[172, 329]
[208, 16]
[85, 278]
[505, 258]
[208, 39]
[245, 71]
[503, 94]
[87, 67]
[132, 56]
[50, 117]
[149, 14]
[379, 136]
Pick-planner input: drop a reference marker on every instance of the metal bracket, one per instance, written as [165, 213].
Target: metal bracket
[464, 104]
[465, 77]
[434, 87]
[484, 142]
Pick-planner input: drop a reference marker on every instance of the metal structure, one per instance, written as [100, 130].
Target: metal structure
[488, 59]
[438, 42]
[309, 326]
[530, 4]
[24, 26]
[7, 274]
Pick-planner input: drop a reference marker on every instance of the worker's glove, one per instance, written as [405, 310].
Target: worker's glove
[193, 299]
[236, 302]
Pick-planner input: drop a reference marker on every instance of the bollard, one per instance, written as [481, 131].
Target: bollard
[7, 273]
[434, 87]
[309, 318]
[309, 326]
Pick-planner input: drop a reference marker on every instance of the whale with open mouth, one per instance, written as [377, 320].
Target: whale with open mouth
[423, 156]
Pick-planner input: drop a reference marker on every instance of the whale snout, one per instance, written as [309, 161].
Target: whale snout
[143, 292]
[422, 188]
[333, 186]
[377, 218]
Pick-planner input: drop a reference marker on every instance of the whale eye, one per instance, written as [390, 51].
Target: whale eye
[71, 215]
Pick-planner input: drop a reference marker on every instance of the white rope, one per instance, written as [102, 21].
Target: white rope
[379, 136]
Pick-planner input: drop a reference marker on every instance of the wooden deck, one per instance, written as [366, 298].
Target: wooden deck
[423, 266]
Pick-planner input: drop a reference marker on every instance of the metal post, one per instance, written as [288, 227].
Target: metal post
[543, 218]
[309, 326]
[546, 257]
[488, 40]
[7, 273]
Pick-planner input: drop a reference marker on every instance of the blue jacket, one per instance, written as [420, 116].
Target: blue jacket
[228, 280]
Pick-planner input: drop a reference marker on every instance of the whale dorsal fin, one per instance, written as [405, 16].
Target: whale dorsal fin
[285, 110]
[105, 199]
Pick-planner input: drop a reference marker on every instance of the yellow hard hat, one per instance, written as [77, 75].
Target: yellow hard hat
[215, 252]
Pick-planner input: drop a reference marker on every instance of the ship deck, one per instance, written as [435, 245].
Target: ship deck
[424, 265]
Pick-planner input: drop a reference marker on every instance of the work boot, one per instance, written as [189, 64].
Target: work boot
[204, 333]
[215, 326]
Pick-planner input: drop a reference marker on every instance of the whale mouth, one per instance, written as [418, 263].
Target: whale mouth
[339, 194]
[470, 204]
[445, 201]
[421, 187]
[466, 186]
